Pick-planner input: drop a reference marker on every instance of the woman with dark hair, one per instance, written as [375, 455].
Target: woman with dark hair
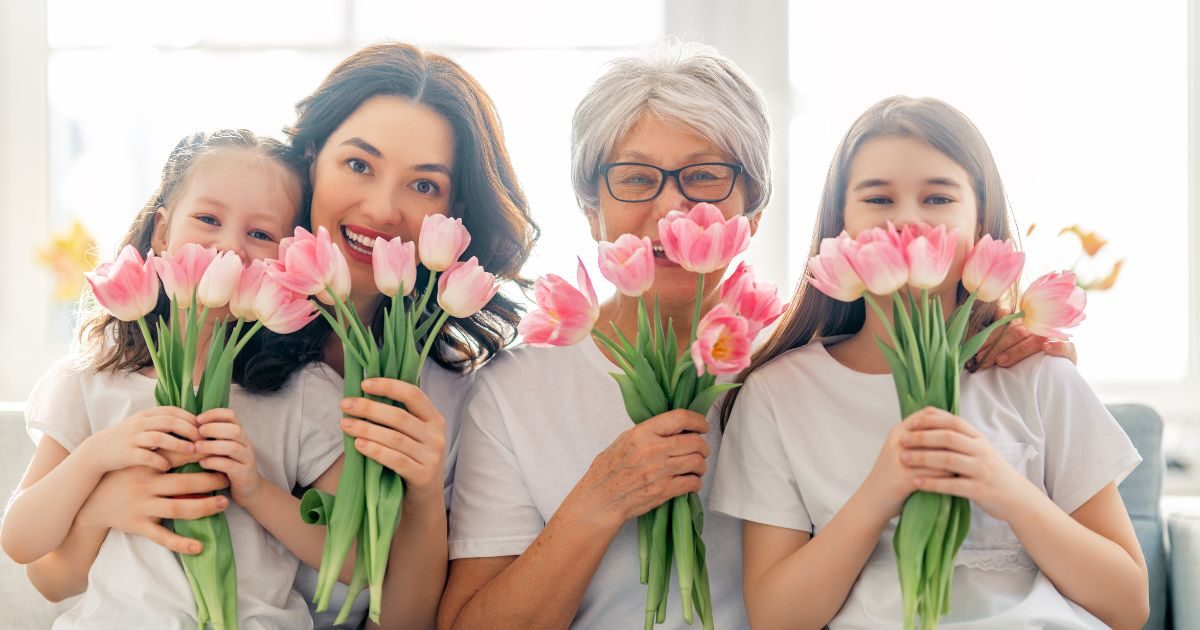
[391, 135]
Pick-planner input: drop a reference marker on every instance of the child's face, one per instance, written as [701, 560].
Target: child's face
[387, 166]
[906, 181]
[232, 200]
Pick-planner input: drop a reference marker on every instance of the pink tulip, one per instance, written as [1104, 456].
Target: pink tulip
[443, 240]
[241, 303]
[701, 240]
[126, 287]
[219, 280]
[181, 271]
[992, 268]
[722, 343]
[280, 309]
[930, 253]
[312, 265]
[395, 265]
[628, 263]
[878, 258]
[758, 302]
[1053, 302]
[831, 273]
[465, 288]
[565, 315]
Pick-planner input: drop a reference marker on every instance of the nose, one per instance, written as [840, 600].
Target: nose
[381, 207]
[906, 212]
[671, 198]
[230, 241]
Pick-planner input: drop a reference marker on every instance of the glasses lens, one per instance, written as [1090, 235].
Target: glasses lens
[707, 182]
[633, 182]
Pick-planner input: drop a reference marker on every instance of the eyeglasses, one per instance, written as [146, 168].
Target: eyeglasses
[634, 182]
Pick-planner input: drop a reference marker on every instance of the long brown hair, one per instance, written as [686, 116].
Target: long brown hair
[111, 344]
[494, 208]
[813, 314]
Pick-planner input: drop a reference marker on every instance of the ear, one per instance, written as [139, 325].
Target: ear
[597, 228]
[754, 220]
[158, 240]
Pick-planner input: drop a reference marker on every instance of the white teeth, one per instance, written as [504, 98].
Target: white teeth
[366, 241]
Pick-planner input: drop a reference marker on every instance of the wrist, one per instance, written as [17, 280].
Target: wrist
[600, 520]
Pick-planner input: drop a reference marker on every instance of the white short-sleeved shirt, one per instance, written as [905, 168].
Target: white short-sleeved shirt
[535, 420]
[806, 431]
[134, 582]
[446, 390]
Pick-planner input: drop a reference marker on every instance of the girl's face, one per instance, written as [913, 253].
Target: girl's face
[379, 174]
[668, 146]
[234, 200]
[904, 180]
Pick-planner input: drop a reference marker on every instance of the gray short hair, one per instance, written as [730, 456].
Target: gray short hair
[689, 83]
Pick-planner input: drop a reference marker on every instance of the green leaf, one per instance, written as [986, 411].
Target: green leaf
[976, 342]
[633, 401]
[705, 399]
[648, 388]
[684, 551]
[316, 506]
[685, 389]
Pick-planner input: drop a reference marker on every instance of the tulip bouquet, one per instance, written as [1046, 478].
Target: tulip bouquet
[927, 353]
[656, 377]
[198, 280]
[367, 506]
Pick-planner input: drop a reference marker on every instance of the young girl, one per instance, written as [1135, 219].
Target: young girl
[235, 192]
[818, 465]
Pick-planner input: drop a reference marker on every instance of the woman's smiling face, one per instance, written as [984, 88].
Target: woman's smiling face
[386, 167]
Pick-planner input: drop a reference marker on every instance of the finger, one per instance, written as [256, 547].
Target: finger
[155, 439]
[224, 448]
[147, 457]
[188, 509]
[686, 444]
[170, 424]
[386, 415]
[174, 412]
[387, 438]
[220, 414]
[225, 465]
[1064, 349]
[927, 472]
[934, 418]
[957, 486]
[683, 484]
[693, 464]
[1020, 351]
[407, 394]
[949, 461]
[1010, 335]
[224, 431]
[941, 439]
[400, 463]
[187, 483]
[171, 540]
[676, 421]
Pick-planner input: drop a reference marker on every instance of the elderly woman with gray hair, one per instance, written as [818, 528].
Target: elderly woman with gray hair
[551, 474]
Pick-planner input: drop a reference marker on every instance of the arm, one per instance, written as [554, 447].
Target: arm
[57, 483]
[648, 464]
[778, 562]
[133, 500]
[1092, 555]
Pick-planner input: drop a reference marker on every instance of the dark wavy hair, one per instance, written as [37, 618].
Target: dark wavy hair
[494, 208]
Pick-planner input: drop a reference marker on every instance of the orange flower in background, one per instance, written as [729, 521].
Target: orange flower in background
[1105, 283]
[1092, 242]
[68, 255]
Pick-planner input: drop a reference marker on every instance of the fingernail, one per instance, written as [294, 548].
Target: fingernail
[347, 403]
[347, 423]
[222, 502]
[906, 457]
[1002, 358]
[360, 443]
[194, 548]
[368, 383]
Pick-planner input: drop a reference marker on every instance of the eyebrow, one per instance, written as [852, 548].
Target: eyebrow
[933, 181]
[637, 155]
[433, 168]
[364, 145]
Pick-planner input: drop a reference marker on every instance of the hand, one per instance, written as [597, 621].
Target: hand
[227, 449]
[1012, 343]
[650, 463]
[953, 457]
[410, 440]
[136, 499]
[890, 480]
[143, 439]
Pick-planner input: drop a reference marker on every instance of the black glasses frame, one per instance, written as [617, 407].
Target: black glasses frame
[605, 168]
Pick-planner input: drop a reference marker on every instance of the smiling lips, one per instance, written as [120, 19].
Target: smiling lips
[360, 241]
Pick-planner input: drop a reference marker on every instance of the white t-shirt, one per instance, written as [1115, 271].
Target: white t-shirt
[446, 389]
[535, 420]
[806, 431]
[134, 582]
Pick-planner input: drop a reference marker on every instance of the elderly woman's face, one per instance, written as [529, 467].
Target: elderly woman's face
[668, 146]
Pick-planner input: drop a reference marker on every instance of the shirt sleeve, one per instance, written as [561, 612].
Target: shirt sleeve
[1085, 447]
[320, 426]
[754, 479]
[492, 512]
[56, 407]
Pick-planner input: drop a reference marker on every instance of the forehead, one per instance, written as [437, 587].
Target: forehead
[903, 159]
[664, 143]
[243, 178]
[401, 130]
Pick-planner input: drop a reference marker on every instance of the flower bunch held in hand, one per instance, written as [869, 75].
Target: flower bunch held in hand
[197, 280]
[926, 352]
[367, 506]
[657, 376]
